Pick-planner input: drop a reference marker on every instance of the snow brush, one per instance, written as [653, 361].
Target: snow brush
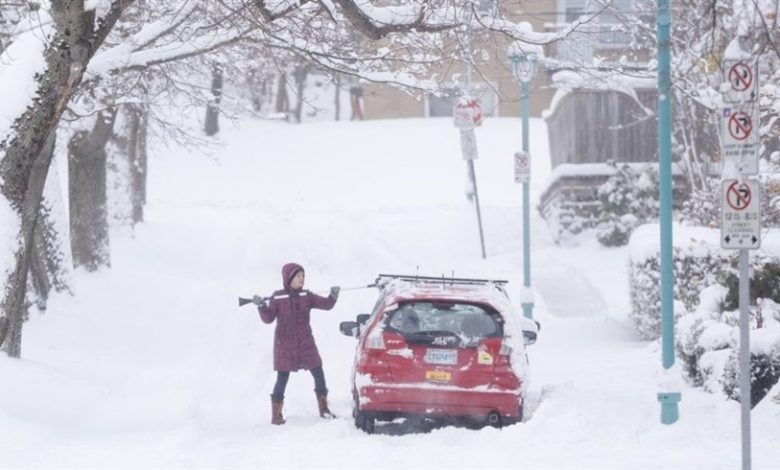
[243, 301]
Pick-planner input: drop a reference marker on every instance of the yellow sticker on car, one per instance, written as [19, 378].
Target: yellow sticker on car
[438, 376]
[484, 357]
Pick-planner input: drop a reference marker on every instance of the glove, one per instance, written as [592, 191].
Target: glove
[334, 292]
[259, 301]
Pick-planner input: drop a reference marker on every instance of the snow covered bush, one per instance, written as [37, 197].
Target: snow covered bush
[707, 340]
[764, 374]
[629, 198]
[702, 207]
[697, 260]
[702, 341]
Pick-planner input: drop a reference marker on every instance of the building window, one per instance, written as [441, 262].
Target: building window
[573, 13]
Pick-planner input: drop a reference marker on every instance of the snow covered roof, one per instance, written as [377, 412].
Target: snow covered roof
[489, 292]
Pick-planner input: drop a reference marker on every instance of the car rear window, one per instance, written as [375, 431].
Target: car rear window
[467, 321]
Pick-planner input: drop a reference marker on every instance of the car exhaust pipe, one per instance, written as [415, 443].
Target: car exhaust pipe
[494, 419]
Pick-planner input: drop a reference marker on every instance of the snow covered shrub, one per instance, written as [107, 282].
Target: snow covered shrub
[629, 198]
[702, 207]
[764, 374]
[708, 339]
[697, 260]
[700, 333]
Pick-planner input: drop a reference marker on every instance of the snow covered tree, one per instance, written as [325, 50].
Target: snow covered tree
[703, 35]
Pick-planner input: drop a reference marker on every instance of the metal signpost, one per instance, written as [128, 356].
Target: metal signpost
[740, 206]
[524, 67]
[467, 114]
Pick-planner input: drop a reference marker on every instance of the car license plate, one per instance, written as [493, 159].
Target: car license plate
[441, 356]
[437, 376]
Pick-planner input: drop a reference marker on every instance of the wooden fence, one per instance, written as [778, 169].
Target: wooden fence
[586, 129]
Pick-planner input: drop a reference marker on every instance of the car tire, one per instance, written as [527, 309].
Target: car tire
[363, 420]
[494, 420]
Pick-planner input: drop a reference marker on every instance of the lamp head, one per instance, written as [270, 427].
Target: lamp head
[524, 64]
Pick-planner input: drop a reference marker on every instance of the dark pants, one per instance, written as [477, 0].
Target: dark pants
[283, 376]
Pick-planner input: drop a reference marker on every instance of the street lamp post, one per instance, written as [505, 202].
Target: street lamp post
[524, 65]
[670, 396]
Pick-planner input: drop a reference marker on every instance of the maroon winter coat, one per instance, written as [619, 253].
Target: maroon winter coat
[294, 346]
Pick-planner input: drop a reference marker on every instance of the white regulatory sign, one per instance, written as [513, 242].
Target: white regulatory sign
[740, 225]
[739, 130]
[467, 114]
[742, 79]
[522, 167]
[468, 144]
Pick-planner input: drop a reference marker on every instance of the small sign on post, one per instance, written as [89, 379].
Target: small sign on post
[740, 214]
[468, 144]
[742, 79]
[467, 114]
[522, 167]
[739, 130]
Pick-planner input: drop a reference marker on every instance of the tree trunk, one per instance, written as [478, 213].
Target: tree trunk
[13, 305]
[300, 83]
[282, 102]
[48, 263]
[212, 107]
[338, 97]
[137, 155]
[23, 168]
[87, 189]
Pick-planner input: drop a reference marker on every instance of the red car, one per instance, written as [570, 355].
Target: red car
[445, 349]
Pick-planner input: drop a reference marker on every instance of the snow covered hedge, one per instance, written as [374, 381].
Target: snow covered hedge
[707, 307]
[698, 259]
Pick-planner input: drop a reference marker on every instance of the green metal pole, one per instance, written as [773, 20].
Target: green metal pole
[668, 398]
[527, 307]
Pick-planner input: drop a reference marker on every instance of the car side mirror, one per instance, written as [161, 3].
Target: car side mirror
[350, 328]
[362, 319]
[529, 337]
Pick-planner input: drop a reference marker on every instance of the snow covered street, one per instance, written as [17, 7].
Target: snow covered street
[153, 365]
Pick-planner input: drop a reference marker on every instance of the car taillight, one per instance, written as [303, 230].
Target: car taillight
[503, 354]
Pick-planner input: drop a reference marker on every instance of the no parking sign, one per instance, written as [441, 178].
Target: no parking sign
[740, 214]
[739, 130]
[522, 167]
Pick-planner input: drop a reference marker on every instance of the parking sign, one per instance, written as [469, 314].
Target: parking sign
[522, 167]
[740, 214]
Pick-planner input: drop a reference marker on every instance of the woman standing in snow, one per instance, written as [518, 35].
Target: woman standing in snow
[294, 346]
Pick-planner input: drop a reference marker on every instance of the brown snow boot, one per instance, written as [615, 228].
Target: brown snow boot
[322, 401]
[276, 412]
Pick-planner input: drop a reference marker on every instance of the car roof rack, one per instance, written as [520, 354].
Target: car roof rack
[383, 279]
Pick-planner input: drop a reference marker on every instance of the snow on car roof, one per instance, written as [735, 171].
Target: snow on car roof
[488, 293]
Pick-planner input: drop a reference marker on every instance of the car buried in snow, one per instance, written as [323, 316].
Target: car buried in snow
[447, 350]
